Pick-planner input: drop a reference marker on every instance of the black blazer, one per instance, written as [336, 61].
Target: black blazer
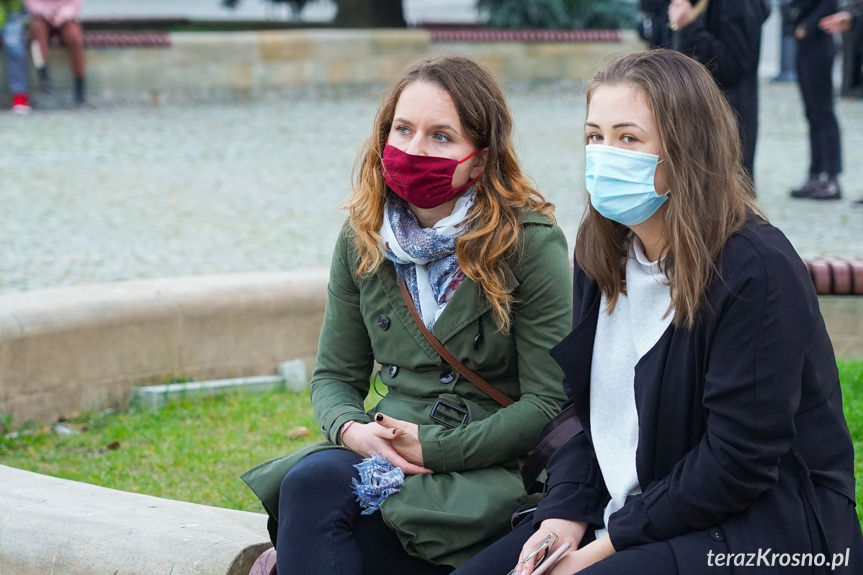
[742, 442]
[727, 39]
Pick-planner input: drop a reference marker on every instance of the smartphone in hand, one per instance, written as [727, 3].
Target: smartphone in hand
[552, 559]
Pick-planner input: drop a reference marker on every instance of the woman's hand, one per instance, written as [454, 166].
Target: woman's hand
[368, 439]
[836, 23]
[566, 531]
[680, 14]
[575, 561]
[406, 440]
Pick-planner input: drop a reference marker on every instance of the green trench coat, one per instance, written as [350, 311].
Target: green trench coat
[447, 516]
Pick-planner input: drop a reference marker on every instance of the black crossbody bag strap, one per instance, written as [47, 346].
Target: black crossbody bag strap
[565, 425]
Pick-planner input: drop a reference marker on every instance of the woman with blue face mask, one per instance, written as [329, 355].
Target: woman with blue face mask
[712, 436]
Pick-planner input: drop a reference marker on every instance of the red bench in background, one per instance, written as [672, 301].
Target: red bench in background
[836, 276]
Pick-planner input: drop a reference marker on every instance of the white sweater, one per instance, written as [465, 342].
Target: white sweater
[622, 338]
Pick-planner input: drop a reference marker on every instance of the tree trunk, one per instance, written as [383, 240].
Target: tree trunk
[370, 14]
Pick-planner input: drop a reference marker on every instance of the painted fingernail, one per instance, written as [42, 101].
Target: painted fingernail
[379, 417]
[395, 431]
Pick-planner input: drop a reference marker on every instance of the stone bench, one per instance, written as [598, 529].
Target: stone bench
[51, 525]
[119, 39]
[836, 276]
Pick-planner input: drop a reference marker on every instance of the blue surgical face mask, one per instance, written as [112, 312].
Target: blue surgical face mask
[620, 183]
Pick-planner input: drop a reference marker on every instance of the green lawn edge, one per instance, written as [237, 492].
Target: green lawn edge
[195, 449]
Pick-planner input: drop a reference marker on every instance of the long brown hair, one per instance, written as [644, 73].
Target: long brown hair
[710, 197]
[502, 192]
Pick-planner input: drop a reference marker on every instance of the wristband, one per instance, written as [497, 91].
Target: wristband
[342, 430]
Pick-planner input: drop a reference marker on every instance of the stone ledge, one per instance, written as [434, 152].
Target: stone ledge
[194, 66]
[51, 525]
[525, 35]
[69, 350]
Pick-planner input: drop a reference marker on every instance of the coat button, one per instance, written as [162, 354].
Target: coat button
[447, 377]
[393, 371]
[716, 534]
[383, 322]
[477, 341]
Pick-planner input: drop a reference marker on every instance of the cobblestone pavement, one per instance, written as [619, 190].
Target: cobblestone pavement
[124, 193]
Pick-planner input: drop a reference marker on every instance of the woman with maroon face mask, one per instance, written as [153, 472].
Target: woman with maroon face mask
[444, 236]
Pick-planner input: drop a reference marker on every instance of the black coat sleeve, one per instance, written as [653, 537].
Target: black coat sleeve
[764, 316]
[574, 489]
[726, 39]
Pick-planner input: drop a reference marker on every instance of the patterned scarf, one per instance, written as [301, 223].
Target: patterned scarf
[429, 252]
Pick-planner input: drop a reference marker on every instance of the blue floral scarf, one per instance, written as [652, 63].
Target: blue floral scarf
[431, 251]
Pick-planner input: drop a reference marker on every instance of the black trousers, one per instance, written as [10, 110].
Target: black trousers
[743, 99]
[814, 75]
[499, 558]
[321, 528]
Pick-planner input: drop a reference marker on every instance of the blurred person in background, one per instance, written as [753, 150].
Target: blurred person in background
[725, 36]
[815, 54]
[13, 21]
[842, 21]
[59, 17]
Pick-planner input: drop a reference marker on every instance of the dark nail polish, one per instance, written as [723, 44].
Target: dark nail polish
[379, 417]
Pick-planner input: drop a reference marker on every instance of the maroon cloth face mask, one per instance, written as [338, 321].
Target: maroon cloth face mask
[424, 181]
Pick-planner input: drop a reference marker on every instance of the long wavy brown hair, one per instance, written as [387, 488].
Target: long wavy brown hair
[503, 193]
[711, 195]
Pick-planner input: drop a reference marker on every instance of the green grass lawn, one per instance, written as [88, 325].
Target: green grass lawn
[851, 376]
[195, 449]
[191, 450]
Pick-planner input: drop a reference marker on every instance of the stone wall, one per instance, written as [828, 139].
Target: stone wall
[62, 527]
[71, 350]
[844, 318]
[240, 65]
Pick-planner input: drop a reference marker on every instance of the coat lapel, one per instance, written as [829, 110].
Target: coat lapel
[390, 286]
[463, 309]
[575, 354]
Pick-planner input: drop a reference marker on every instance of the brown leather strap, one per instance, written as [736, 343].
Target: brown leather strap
[454, 363]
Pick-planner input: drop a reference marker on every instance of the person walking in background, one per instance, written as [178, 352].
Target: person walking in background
[840, 22]
[815, 54]
[13, 21]
[843, 20]
[59, 17]
[725, 36]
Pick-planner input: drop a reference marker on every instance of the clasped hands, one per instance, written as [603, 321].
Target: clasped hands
[395, 439]
[572, 561]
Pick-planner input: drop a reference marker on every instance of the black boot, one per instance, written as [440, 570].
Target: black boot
[80, 91]
[827, 188]
[45, 85]
[805, 190]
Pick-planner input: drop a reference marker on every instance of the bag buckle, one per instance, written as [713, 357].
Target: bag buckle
[446, 413]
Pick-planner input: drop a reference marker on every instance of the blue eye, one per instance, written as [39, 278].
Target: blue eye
[593, 138]
[441, 138]
[629, 139]
[402, 130]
